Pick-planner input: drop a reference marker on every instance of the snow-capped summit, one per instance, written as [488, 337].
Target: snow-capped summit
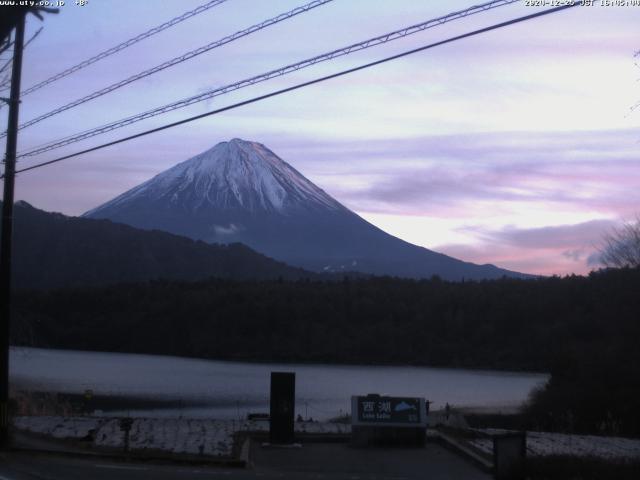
[240, 191]
[232, 175]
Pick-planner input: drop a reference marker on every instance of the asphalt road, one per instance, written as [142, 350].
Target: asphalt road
[338, 460]
[26, 466]
[312, 461]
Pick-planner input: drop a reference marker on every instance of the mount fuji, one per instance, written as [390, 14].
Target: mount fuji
[240, 191]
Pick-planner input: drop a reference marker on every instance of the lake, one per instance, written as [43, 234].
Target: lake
[221, 389]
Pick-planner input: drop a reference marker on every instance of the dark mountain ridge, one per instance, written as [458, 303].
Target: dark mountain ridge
[53, 250]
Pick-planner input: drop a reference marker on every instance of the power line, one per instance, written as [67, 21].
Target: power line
[269, 75]
[125, 44]
[304, 84]
[182, 58]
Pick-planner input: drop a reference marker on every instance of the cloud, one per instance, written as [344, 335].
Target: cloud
[545, 250]
[433, 175]
[229, 230]
[571, 237]
[576, 255]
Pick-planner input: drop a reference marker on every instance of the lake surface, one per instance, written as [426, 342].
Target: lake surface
[220, 389]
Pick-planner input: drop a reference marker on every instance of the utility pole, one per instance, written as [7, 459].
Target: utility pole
[7, 230]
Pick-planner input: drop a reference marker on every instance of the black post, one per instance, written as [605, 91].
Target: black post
[283, 403]
[7, 230]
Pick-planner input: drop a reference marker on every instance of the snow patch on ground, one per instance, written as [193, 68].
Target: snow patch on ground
[216, 437]
[57, 427]
[540, 444]
[175, 435]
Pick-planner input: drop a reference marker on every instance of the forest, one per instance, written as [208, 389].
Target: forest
[583, 330]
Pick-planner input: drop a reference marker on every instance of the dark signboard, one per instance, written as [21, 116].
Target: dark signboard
[379, 410]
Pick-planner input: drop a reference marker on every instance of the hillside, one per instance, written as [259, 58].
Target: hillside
[53, 250]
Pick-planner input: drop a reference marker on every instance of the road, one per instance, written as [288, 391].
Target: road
[26, 466]
[313, 461]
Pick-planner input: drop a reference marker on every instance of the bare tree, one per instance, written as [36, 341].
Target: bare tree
[621, 246]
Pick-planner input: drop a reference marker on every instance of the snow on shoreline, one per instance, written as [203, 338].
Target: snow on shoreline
[200, 388]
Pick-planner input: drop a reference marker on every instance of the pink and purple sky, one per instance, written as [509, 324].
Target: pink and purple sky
[517, 148]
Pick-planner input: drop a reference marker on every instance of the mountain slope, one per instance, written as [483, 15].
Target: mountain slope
[241, 191]
[52, 250]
